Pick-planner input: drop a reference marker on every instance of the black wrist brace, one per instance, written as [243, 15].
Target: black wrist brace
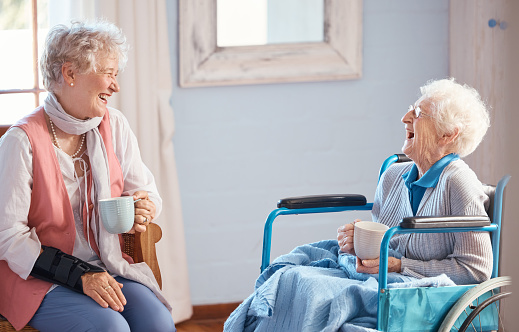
[54, 266]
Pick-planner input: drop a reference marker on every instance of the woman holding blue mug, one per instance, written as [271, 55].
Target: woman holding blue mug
[61, 269]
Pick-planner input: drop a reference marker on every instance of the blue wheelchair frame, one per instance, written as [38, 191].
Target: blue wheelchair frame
[446, 296]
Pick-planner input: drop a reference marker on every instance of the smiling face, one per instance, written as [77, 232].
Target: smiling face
[421, 143]
[88, 97]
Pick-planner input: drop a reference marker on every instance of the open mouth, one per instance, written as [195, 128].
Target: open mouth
[104, 97]
[410, 135]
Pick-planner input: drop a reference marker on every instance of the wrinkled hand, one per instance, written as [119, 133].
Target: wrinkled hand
[144, 212]
[104, 289]
[371, 265]
[345, 237]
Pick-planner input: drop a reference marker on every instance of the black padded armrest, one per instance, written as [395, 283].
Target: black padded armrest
[445, 222]
[402, 158]
[318, 201]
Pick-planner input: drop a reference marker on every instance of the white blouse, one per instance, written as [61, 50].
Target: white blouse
[19, 244]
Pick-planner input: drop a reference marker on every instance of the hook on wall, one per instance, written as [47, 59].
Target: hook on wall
[493, 22]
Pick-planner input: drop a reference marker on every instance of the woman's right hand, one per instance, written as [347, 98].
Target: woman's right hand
[345, 237]
[104, 289]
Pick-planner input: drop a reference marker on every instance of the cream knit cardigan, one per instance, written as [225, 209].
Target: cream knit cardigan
[465, 257]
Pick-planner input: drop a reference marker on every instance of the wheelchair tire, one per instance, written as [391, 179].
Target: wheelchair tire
[468, 298]
[470, 319]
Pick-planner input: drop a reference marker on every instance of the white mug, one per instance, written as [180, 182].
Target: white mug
[367, 237]
[117, 213]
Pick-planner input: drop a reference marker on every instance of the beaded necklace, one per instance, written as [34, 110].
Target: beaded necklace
[59, 146]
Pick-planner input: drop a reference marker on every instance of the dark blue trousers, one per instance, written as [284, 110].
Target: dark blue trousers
[65, 310]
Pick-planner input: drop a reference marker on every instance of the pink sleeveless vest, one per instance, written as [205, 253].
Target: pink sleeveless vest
[50, 213]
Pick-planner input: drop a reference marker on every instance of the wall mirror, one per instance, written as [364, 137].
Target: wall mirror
[207, 61]
[261, 22]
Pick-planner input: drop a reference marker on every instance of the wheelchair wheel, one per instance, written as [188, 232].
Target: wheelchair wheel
[471, 322]
[469, 306]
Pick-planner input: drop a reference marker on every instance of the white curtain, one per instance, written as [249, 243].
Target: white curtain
[146, 86]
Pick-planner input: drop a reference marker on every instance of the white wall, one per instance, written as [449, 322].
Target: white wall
[241, 148]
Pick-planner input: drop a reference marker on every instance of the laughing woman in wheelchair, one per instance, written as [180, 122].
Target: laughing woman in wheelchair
[446, 123]
[324, 287]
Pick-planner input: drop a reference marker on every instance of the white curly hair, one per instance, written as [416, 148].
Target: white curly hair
[82, 44]
[457, 106]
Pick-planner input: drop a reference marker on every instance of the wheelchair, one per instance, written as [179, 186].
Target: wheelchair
[450, 308]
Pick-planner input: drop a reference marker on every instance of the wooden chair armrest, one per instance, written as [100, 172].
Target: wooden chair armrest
[3, 129]
[141, 247]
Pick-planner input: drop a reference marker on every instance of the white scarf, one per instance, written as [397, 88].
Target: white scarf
[108, 244]
[97, 154]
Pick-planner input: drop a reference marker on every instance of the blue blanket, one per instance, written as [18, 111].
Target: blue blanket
[313, 288]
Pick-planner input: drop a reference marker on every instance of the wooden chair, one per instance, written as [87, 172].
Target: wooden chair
[139, 246]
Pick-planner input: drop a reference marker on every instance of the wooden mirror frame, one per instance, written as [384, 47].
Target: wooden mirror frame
[203, 63]
[3, 129]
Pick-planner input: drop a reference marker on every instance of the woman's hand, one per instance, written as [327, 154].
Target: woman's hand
[104, 289]
[345, 237]
[144, 211]
[371, 265]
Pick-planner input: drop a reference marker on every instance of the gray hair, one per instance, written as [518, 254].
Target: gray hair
[82, 44]
[457, 106]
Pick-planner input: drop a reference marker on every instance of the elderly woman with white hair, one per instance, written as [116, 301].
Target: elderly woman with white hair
[322, 286]
[61, 269]
[445, 124]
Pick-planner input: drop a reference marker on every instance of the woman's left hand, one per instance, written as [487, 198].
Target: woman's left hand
[144, 212]
[371, 265]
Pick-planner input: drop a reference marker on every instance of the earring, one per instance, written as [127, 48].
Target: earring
[71, 83]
